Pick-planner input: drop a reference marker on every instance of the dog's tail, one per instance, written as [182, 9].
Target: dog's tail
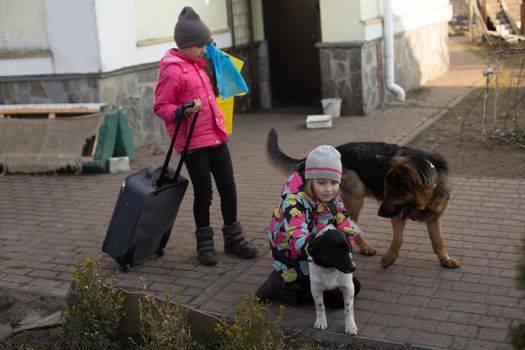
[277, 157]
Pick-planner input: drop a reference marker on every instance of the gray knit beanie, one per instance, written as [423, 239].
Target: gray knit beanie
[190, 30]
[323, 162]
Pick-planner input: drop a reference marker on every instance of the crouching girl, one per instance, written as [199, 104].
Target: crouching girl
[310, 202]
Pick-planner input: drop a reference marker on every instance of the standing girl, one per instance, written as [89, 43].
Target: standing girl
[310, 202]
[183, 78]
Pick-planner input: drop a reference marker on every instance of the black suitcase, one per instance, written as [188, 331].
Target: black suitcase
[146, 208]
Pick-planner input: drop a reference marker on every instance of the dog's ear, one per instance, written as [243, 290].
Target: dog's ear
[384, 161]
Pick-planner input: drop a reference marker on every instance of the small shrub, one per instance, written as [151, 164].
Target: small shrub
[518, 336]
[517, 135]
[251, 328]
[92, 320]
[162, 323]
[25, 347]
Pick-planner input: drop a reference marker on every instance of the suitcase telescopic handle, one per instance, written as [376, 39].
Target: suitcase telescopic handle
[186, 148]
[162, 176]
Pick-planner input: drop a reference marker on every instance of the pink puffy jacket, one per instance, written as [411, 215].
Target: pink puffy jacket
[181, 80]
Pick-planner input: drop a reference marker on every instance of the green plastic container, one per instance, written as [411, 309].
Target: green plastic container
[114, 140]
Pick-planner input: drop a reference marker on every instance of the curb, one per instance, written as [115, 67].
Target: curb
[339, 338]
[419, 129]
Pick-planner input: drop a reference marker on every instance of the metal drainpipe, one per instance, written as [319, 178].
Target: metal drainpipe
[522, 17]
[231, 24]
[254, 64]
[388, 34]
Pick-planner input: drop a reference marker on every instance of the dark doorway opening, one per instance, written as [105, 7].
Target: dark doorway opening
[292, 28]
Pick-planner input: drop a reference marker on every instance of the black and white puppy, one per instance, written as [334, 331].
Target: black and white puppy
[331, 266]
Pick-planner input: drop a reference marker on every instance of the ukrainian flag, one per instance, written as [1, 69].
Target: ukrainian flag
[230, 82]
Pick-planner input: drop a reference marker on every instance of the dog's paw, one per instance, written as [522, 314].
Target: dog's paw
[364, 247]
[368, 250]
[320, 324]
[449, 262]
[351, 329]
[388, 259]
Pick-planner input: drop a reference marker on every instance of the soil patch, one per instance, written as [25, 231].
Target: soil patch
[16, 305]
[457, 134]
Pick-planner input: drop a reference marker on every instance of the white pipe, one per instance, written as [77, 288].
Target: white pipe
[388, 34]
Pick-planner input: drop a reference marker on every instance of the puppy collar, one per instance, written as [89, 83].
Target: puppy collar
[306, 249]
[308, 257]
[430, 164]
[432, 167]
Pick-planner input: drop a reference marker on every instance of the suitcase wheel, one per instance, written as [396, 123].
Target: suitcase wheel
[160, 252]
[125, 268]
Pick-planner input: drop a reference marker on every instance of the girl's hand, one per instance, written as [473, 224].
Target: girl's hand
[194, 109]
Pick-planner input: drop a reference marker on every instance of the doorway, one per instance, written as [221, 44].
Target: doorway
[292, 28]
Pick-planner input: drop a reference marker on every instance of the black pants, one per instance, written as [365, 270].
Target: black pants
[201, 164]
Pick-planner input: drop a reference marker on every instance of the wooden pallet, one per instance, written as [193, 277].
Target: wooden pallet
[51, 110]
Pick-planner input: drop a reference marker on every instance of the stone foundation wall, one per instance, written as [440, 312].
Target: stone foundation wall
[132, 90]
[341, 70]
[354, 71]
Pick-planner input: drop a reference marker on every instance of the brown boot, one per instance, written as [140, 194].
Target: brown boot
[235, 243]
[205, 250]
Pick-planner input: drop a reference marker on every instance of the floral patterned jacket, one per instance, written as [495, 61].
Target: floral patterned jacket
[295, 219]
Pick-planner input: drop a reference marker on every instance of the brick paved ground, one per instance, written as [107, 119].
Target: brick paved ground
[46, 221]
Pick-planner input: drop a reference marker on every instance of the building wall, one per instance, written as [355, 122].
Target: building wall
[80, 51]
[352, 51]
[131, 89]
[341, 70]
[361, 20]
[156, 19]
[420, 55]
[354, 71]
[108, 51]
[23, 25]
[92, 36]
[67, 43]
[341, 21]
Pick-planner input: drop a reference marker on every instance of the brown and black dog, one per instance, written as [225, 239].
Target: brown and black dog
[409, 183]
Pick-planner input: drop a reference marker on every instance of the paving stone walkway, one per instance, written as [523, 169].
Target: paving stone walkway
[46, 221]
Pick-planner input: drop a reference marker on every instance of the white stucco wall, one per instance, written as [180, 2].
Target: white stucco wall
[156, 19]
[404, 7]
[370, 9]
[146, 20]
[340, 20]
[22, 25]
[361, 20]
[89, 36]
[67, 29]
[72, 35]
